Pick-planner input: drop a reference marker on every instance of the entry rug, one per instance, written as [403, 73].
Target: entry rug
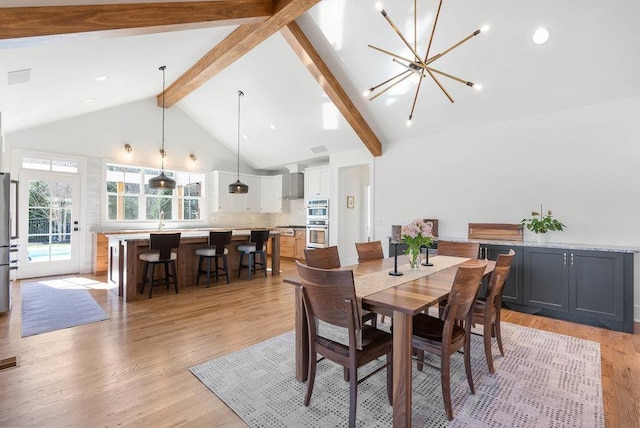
[544, 380]
[46, 308]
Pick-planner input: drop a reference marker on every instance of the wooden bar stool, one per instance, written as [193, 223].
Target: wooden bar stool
[256, 247]
[161, 246]
[215, 251]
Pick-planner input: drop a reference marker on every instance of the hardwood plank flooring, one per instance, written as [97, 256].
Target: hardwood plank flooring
[133, 368]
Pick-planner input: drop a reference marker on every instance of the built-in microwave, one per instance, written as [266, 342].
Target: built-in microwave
[317, 209]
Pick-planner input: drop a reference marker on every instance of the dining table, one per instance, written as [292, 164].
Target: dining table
[400, 297]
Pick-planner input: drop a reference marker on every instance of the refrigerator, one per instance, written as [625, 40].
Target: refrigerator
[8, 237]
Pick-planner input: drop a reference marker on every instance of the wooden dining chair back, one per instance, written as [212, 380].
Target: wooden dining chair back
[446, 336]
[323, 258]
[216, 251]
[459, 249]
[161, 251]
[255, 249]
[369, 251]
[329, 296]
[487, 312]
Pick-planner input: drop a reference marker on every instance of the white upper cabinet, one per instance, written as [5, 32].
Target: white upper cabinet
[316, 183]
[271, 194]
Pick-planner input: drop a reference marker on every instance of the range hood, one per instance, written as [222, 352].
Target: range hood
[293, 185]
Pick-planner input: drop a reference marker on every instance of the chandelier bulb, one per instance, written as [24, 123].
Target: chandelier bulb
[485, 28]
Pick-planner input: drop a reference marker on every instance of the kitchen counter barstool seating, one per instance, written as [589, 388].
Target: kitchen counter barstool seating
[329, 258]
[487, 312]
[369, 251]
[330, 296]
[446, 336]
[256, 247]
[459, 249]
[216, 250]
[161, 251]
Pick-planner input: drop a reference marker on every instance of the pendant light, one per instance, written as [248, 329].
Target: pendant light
[162, 181]
[238, 186]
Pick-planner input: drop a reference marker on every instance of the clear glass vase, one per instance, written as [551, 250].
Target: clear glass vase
[414, 258]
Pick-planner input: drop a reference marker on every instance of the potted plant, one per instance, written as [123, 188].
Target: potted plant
[540, 224]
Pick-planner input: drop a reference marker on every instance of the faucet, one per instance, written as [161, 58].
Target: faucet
[161, 220]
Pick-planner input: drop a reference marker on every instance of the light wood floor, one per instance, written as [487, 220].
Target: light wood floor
[133, 368]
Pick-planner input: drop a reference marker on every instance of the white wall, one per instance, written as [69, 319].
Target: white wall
[351, 182]
[583, 164]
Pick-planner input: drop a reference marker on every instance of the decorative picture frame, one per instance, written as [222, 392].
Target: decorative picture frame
[350, 201]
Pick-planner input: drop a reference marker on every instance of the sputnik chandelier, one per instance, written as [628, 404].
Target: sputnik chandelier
[420, 66]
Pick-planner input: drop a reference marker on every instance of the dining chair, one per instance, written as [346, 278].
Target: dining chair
[256, 247]
[329, 258]
[161, 251]
[369, 251]
[487, 312]
[444, 337]
[216, 250]
[459, 249]
[323, 258]
[330, 296]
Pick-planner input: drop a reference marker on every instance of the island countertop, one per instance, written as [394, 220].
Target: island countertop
[125, 268]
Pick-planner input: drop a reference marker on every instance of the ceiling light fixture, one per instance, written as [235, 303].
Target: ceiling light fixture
[100, 78]
[238, 186]
[162, 181]
[541, 36]
[193, 157]
[128, 148]
[420, 66]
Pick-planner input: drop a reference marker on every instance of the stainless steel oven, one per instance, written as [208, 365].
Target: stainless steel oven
[317, 209]
[317, 233]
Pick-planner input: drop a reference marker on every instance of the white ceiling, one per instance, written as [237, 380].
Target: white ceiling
[593, 56]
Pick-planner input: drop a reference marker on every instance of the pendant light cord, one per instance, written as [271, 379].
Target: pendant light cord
[240, 94]
[163, 152]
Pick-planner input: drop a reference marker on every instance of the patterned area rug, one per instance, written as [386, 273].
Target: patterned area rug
[544, 380]
[47, 308]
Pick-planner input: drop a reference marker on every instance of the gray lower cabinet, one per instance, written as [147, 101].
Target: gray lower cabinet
[591, 287]
[512, 292]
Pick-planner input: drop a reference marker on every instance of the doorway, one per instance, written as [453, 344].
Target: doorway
[50, 235]
[354, 210]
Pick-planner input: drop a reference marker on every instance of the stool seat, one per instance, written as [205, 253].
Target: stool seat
[154, 256]
[210, 251]
[216, 250]
[249, 248]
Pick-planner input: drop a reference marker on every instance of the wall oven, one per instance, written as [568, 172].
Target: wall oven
[317, 209]
[317, 233]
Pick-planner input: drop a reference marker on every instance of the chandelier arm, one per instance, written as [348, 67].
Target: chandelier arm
[440, 85]
[442, 73]
[413, 51]
[394, 55]
[433, 31]
[373, 88]
[415, 98]
[389, 87]
[443, 53]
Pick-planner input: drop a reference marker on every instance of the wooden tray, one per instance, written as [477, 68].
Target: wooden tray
[496, 231]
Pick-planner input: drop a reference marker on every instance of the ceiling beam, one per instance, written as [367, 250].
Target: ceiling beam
[239, 42]
[47, 21]
[301, 45]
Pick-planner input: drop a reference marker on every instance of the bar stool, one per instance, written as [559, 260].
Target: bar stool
[161, 246]
[216, 250]
[255, 247]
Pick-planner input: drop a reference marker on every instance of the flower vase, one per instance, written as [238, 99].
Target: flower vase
[414, 258]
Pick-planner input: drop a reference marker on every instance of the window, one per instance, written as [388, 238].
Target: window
[130, 198]
[49, 165]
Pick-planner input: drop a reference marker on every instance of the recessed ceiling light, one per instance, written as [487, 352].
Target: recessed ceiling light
[541, 36]
[245, 137]
[100, 78]
[87, 101]
[272, 126]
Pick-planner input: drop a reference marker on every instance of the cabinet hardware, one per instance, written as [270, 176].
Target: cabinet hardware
[564, 258]
[572, 260]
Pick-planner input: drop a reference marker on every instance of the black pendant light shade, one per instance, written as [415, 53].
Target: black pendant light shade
[162, 181]
[238, 186]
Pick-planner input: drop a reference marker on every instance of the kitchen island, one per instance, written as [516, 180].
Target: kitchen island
[125, 268]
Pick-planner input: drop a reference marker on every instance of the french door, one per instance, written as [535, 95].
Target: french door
[49, 228]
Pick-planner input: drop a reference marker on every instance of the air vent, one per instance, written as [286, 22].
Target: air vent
[318, 149]
[18, 76]
[8, 363]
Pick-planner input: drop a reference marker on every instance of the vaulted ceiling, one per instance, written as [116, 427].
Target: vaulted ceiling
[303, 65]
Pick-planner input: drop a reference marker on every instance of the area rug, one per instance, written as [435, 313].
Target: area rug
[544, 380]
[48, 308]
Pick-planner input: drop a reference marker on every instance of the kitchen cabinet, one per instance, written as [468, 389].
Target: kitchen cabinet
[100, 253]
[586, 286]
[512, 292]
[301, 244]
[287, 246]
[271, 197]
[225, 201]
[316, 183]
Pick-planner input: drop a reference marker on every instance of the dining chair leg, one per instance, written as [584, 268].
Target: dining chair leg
[420, 360]
[487, 347]
[311, 374]
[445, 379]
[353, 394]
[390, 377]
[496, 328]
[467, 362]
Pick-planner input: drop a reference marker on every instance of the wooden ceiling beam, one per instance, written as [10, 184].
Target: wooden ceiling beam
[239, 42]
[301, 45]
[47, 21]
